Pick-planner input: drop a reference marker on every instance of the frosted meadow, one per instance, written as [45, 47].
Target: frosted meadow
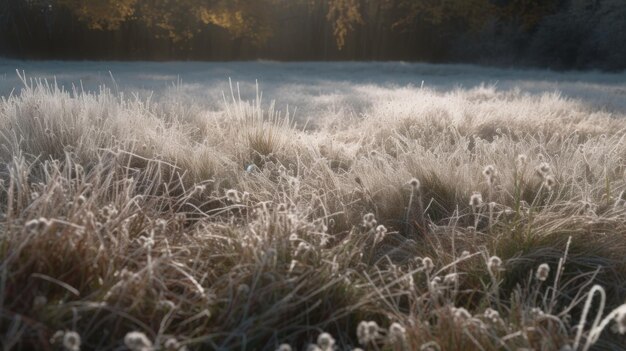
[311, 206]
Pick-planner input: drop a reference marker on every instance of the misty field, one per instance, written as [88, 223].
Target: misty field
[380, 206]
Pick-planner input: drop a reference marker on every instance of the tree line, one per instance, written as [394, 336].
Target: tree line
[553, 33]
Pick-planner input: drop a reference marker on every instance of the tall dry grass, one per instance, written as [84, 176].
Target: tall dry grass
[470, 220]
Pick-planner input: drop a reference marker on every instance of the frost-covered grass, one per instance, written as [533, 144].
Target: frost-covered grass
[406, 218]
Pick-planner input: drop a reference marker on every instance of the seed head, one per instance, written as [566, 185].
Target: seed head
[397, 333]
[415, 184]
[494, 264]
[522, 159]
[549, 182]
[381, 231]
[543, 169]
[367, 332]
[71, 341]
[489, 172]
[232, 196]
[451, 278]
[171, 344]
[369, 220]
[428, 264]
[460, 314]
[137, 341]
[542, 272]
[476, 200]
[435, 283]
[37, 225]
[326, 342]
[492, 315]
[199, 189]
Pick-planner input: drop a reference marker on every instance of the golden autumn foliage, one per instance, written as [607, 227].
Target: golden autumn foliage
[179, 20]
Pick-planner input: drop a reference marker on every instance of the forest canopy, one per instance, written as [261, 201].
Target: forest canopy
[554, 33]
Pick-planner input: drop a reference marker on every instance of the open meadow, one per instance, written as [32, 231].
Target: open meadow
[311, 206]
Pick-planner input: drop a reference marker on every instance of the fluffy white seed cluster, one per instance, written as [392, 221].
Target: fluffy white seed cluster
[491, 315]
[233, 196]
[367, 332]
[381, 231]
[476, 200]
[71, 341]
[461, 315]
[397, 333]
[326, 342]
[545, 172]
[489, 172]
[171, 344]
[369, 220]
[138, 341]
[494, 264]
[451, 278]
[428, 264]
[542, 272]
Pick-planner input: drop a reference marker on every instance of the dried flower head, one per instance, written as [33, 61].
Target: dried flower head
[451, 278]
[326, 342]
[494, 264]
[369, 220]
[542, 272]
[71, 341]
[543, 169]
[381, 231]
[37, 225]
[367, 332]
[492, 315]
[522, 159]
[415, 184]
[460, 314]
[489, 172]
[397, 333]
[171, 344]
[233, 196]
[476, 200]
[428, 264]
[137, 341]
[549, 182]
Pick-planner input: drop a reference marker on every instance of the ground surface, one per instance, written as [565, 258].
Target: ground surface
[402, 207]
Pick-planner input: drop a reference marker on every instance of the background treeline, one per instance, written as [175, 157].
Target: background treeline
[560, 34]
